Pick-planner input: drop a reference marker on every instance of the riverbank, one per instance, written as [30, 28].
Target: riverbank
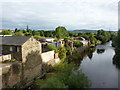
[65, 74]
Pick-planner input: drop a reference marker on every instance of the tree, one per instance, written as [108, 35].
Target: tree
[68, 50]
[6, 32]
[16, 29]
[62, 53]
[61, 32]
[48, 34]
[18, 34]
[41, 33]
[27, 28]
[103, 36]
[117, 42]
[68, 38]
[35, 33]
[92, 38]
[77, 43]
[52, 47]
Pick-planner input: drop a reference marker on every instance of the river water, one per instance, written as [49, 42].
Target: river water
[100, 68]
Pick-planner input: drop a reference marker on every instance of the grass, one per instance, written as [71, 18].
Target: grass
[7, 61]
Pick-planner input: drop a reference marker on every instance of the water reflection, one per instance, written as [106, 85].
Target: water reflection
[116, 59]
[100, 51]
[79, 54]
[99, 68]
[90, 52]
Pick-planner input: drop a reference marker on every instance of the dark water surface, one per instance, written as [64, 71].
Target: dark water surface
[100, 68]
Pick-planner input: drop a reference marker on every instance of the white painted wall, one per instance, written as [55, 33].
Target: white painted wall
[47, 56]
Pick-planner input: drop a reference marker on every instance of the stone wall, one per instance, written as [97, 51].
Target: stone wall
[15, 76]
[11, 74]
[47, 56]
[29, 47]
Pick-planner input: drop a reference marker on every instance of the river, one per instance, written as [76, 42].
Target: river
[100, 68]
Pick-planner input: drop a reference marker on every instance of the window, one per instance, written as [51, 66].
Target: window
[18, 49]
[11, 49]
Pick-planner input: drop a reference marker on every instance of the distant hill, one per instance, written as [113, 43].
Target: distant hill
[86, 31]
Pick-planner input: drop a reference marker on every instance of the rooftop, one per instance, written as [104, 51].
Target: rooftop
[13, 40]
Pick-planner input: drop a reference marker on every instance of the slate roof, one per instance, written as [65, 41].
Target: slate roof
[13, 40]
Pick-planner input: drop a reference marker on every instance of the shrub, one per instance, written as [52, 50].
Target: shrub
[68, 50]
[54, 82]
[77, 43]
[68, 38]
[52, 47]
[64, 76]
[62, 53]
[18, 34]
[7, 61]
[78, 80]
[63, 67]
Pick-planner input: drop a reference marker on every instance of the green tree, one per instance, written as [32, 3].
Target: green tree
[27, 29]
[62, 53]
[35, 33]
[52, 47]
[6, 32]
[68, 50]
[41, 33]
[103, 36]
[68, 38]
[92, 38]
[61, 32]
[48, 33]
[77, 43]
[18, 34]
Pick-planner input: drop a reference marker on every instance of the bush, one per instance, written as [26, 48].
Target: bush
[62, 53]
[54, 82]
[52, 47]
[78, 80]
[77, 43]
[18, 34]
[68, 38]
[7, 61]
[64, 76]
[68, 49]
[64, 67]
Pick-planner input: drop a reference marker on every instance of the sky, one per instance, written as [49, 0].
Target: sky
[49, 14]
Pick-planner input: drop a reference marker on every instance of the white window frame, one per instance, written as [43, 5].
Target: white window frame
[18, 49]
[11, 49]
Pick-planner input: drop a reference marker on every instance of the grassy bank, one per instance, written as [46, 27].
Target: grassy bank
[65, 74]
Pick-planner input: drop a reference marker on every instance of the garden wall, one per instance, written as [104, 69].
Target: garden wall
[47, 56]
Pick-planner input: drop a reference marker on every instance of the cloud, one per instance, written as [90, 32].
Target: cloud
[48, 14]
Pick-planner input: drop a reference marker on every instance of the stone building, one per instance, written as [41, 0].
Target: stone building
[30, 64]
[20, 47]
[27, 51]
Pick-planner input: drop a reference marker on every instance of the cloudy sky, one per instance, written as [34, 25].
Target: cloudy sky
[48, 14]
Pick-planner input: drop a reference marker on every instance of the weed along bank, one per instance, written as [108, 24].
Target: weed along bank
[25, 63]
